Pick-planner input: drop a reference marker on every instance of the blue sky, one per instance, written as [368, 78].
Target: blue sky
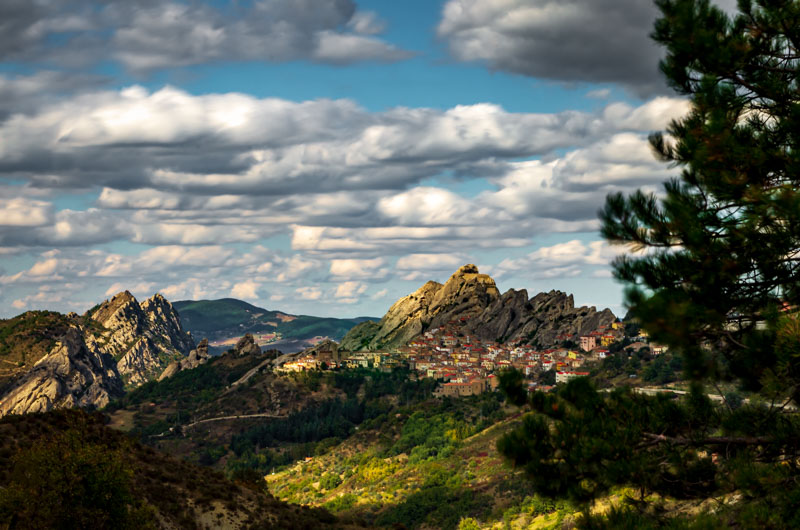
[323, 157]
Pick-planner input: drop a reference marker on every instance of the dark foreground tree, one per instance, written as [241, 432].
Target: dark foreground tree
[715, 275]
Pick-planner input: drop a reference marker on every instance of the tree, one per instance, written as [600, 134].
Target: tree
[69, 481]
[715, 274]
[722, 246]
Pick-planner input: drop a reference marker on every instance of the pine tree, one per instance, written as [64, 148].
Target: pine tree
[722, 247]
[714, 274]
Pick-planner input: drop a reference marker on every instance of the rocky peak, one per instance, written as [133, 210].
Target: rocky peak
[123, 301]
[195, 358]
[142, 338]
[472, 300]
[71, 375]
[466, 292]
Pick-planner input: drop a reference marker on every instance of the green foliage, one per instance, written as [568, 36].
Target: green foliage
[438, 504]
[723, 240]
[580, 444]
[330, 481]
[341, 503]
[27, 337]
[69, 482]
[332, 418]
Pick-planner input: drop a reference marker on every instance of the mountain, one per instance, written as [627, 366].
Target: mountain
[71, 375]
[472, 301]
[143, 338]
[223, 321]
[53, 361]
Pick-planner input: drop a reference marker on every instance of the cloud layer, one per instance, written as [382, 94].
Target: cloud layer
[145, 35]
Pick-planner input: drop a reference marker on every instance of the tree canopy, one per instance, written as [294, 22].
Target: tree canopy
[713, 272]
[719, 260]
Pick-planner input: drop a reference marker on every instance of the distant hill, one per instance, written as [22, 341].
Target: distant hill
[228, 318]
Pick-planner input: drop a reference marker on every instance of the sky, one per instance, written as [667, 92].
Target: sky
[321, 157]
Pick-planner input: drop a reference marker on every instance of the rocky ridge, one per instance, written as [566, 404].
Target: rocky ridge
[117, 344]
[472, 300]
[143, 338]
[195, 358]
[71, 375]
[466, 293]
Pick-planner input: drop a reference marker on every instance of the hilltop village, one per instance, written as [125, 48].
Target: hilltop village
[468, 365]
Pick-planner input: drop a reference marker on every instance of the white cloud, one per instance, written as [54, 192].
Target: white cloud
[359, 268]
[140, 289]
[350, 289]
[246, 290]
[309, 293]
[21, 211]
[569, 259]
[380, 294]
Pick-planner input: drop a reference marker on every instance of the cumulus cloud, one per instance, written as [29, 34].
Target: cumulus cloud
[349, 292]
[21, 211]
[569, 259]
[198, 185]
[145, 36]
[429, 262]
[359, 268]
[247, 290]
[309, 293]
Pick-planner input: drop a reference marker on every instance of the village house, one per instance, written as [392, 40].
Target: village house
[563, 377]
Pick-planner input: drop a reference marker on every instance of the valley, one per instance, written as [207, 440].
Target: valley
[406, 429]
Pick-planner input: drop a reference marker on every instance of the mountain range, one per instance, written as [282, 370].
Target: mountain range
[57, 361]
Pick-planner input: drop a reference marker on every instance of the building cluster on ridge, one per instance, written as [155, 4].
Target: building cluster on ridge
[468, 365]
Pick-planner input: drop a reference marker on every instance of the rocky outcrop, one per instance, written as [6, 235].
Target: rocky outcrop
[246, 346]
[471, 300]
[143, 339]
[539, 321]
[465, 294]
[195, 358]
[71, 375]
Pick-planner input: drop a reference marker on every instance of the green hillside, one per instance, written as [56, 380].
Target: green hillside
[227, 317]
[65, 469]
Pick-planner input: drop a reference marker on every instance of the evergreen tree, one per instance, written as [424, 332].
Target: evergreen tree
[722, 247]
[715, 275]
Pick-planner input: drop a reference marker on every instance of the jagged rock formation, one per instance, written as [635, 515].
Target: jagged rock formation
[142, 338]
[195, 358]
[538, 321]
[246, 346]
[471, 300]
[466, 293]
[71, 375]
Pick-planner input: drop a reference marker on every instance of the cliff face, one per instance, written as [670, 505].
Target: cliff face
[472, 300]
[119, 343]
[466, 293]
[71, 375]
[537, 321]
[143, 339]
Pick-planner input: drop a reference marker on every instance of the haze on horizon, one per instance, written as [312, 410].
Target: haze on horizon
[323, 157]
